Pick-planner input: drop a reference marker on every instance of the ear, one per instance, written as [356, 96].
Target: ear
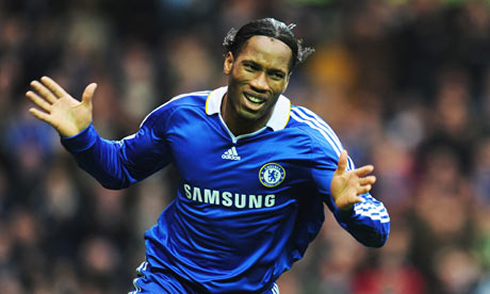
[228, 65]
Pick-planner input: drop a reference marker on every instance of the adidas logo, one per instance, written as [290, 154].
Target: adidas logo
[231, 154]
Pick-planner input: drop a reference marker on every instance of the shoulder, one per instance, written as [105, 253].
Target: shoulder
[193, 100]
[323, 138]
[314, 126]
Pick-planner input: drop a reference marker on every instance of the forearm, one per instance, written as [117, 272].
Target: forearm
[367, 221]
[98, 157]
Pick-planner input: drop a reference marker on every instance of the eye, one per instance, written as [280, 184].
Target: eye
[251, 66]
[277, 75]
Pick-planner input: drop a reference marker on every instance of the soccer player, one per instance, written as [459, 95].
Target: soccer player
[255, 171]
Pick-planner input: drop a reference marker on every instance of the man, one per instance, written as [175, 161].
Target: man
[255, 171]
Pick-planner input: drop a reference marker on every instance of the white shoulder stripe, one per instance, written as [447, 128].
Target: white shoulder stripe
[275, 289]
[350, 163]
[309, 115]
[200, 93]
[318, 118]
[324, 129]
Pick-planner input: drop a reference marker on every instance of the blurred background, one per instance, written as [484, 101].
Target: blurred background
[405, 84]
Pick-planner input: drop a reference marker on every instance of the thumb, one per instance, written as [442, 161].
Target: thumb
[342, 164]
[88, 93]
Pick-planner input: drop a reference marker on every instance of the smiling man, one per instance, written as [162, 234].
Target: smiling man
[255, 171]
[258, 75]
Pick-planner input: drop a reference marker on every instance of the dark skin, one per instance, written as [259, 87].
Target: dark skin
[257, 77]
[261, 70]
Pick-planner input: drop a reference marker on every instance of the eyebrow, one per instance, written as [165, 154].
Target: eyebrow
[274, 70]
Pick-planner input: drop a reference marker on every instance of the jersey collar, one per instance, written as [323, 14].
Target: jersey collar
[278, 120]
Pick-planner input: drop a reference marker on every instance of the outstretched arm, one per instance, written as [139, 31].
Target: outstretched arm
[59, 109]
[115, 164]
[354, 208]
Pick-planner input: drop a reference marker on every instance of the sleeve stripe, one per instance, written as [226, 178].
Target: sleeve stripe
[382, 220]
[317, 124]
[140, 274]
[371, 209]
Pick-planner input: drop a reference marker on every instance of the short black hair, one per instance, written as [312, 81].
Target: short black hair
[269, 27]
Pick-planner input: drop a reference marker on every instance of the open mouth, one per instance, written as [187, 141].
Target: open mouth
[254, 99]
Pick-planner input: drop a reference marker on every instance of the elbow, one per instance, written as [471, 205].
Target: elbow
[381, 236]
[376, 238]
[379, 242]
[111, 186]
[375, 242]
[113, 183]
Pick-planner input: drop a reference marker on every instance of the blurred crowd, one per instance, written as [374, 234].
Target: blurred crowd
[405, 84]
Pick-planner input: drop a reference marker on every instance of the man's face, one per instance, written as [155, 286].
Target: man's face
[257, 77]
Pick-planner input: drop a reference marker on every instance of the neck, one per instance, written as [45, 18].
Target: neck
[239, 125]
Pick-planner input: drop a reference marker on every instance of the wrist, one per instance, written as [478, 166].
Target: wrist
[80, 141]
[71, 132]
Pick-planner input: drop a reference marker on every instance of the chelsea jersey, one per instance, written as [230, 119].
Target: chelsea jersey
[247, 206]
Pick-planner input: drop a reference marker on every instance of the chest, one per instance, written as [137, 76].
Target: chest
[206, 156]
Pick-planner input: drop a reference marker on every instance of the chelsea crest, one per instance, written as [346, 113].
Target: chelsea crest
[271, 174]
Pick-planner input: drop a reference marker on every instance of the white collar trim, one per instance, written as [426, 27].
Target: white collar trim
[278, 120]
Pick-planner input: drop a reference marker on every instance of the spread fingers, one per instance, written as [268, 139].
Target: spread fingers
[40, 115]
[40, 102]
[43, 92]
[369, 180]
[53, 86]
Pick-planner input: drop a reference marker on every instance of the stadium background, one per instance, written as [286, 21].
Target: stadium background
[405, 84]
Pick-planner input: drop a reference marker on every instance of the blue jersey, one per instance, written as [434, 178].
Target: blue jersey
[247, 206]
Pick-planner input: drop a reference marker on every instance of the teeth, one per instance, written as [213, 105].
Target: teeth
[254, 99]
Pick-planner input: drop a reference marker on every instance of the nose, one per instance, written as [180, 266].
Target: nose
[259, 83]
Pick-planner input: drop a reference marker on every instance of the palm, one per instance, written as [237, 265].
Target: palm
[70, 116]
[65, 113]
[343, 189]
[346, 187]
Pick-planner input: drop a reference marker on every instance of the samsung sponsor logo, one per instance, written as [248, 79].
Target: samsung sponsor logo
[228, 199]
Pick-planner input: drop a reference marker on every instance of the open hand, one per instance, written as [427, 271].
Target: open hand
[66, 114]
[346, 187]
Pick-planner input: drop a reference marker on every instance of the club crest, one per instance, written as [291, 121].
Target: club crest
[271, 174]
